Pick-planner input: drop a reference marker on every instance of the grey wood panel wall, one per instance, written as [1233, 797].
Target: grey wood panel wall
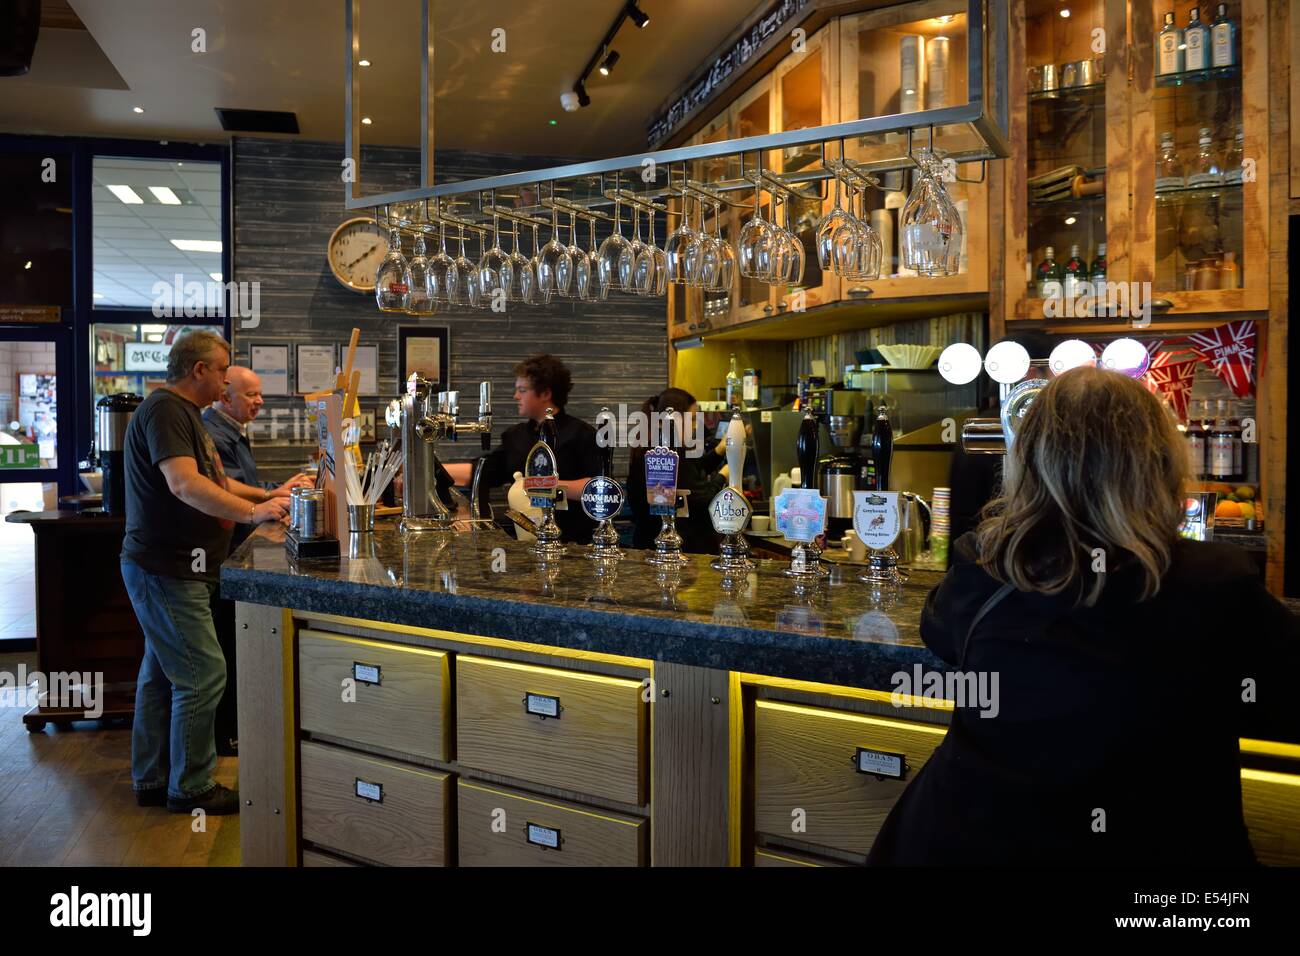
[288, 199]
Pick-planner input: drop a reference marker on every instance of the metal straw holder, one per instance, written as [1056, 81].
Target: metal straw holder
[361, 519]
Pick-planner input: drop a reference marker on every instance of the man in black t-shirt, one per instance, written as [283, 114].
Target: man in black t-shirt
[180, 509]
[543, 382]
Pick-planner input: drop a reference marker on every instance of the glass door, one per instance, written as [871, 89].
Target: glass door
[1200, 201]
[31, 448]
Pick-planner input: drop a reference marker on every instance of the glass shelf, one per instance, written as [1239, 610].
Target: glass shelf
[1070, 95]
[1200, 193]
[1220, 76]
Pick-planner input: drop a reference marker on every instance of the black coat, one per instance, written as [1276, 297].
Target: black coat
[1133, 709]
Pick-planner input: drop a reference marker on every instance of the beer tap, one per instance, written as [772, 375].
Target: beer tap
[806, 556]
[541, 481]
[661, 487]
[729, 511]
[421, 429]
[602, 497]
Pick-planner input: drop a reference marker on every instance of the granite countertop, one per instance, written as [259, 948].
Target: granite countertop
[841, 631]
[65, 517]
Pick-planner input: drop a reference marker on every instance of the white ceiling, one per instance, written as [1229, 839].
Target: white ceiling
[289, 55]
[132, 241]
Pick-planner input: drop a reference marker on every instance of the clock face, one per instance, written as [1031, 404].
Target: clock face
[355, 251]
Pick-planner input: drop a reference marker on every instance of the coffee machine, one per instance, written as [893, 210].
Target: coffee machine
[843, 469]
[114, 414]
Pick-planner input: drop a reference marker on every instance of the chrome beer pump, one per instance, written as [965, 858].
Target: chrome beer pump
[729, 511]
[661, 490]
[422, 427]
[602, 498]
[541, 481]
[993, 436]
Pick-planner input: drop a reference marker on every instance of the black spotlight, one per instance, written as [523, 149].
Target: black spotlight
[610, 59]
[583, 98]
[637, 15]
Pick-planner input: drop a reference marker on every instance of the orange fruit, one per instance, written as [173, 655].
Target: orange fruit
[1227, 509]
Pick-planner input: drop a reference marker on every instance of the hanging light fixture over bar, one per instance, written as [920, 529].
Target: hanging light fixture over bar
[983, 117]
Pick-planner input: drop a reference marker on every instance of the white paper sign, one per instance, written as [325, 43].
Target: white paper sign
[876, 518]
[147, 356]
[367, 360]
[315, 368]
[271, 363]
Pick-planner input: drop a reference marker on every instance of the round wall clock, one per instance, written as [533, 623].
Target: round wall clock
[355, 251]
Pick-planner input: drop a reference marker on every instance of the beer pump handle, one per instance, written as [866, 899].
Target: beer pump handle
[485, 413]
[603, 419]
[547, 430]
[805, 448]
[736, 449]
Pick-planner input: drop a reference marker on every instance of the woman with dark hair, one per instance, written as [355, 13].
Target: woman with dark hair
[704, 477]
[1125, 661]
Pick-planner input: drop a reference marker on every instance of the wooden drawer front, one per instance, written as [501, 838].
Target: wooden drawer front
[595, 746]
[406, 825]
[804, 761]
[1271, 804]
[770, 857]
[406, 710]
[494, 825]
[312, 858]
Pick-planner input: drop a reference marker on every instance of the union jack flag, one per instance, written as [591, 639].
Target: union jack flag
[1230, 351]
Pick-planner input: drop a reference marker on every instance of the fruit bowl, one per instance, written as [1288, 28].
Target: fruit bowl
[910, 356]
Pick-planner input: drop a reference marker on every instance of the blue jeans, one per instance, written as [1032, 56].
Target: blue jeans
[181, 680]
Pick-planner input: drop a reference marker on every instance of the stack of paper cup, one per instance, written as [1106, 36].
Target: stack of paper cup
[940, 509]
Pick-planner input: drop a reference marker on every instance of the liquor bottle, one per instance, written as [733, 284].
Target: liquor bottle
[1234, 430]
[1197, 40]
[1075, 272]
[1223, 40]
[1220, 446]
[1049, 272]
[1232, 159]
[1169, 170]
[750, 387]
[1196, 447]
[1171, 49]
[882, 449]
[733, 385]
[1208, 172]
[1098, 271]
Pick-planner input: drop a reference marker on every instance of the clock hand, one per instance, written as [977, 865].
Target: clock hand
[360, 257]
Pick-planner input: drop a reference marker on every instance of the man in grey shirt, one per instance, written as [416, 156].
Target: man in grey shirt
[180, 509]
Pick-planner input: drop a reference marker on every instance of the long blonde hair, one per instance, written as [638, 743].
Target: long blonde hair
[1096, 463]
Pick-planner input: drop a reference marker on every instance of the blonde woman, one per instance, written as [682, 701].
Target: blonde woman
[1122, 654]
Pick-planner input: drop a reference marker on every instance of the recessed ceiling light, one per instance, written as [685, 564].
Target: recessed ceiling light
[98, 295]
[155, 337]
[1070, 221]
[137, 109]
[165, 195]
[197, 245]
[28, 265]
[1066, 14]
[363, 62]
[365, 121]
[126, 194]
[216, 276]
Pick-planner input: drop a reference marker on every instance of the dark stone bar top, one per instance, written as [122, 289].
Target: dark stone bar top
[838, 632]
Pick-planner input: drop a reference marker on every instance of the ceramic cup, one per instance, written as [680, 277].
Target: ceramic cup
[759, 522]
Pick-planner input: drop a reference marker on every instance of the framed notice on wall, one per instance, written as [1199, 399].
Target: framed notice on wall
[271, 364]
[426, 350]
[367, 360]
[315, 368]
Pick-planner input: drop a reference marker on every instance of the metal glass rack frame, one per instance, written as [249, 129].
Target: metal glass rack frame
[983, 117]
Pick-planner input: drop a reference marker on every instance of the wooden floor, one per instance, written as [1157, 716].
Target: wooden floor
[66, 799]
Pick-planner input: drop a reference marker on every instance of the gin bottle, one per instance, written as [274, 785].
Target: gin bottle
[1223, 40]
[1197, 40]
[1171, 49]
[1208, 171]
[1169, 171]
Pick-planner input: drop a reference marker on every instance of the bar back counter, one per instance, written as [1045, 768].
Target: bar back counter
[448, 700]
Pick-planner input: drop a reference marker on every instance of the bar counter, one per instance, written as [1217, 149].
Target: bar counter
[444, 699]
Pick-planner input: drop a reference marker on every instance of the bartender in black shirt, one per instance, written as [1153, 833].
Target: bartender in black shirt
[543, 382]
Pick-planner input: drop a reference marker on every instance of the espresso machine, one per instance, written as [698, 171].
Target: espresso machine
[114, 413]
[423, 424]
[844, 468]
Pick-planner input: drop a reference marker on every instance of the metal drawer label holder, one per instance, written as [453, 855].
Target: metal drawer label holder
[880, 763]
[367, 673]
[372, 792]
[542, 705]
[548, 838]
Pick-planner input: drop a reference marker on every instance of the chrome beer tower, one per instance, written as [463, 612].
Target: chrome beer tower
[422, 427]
